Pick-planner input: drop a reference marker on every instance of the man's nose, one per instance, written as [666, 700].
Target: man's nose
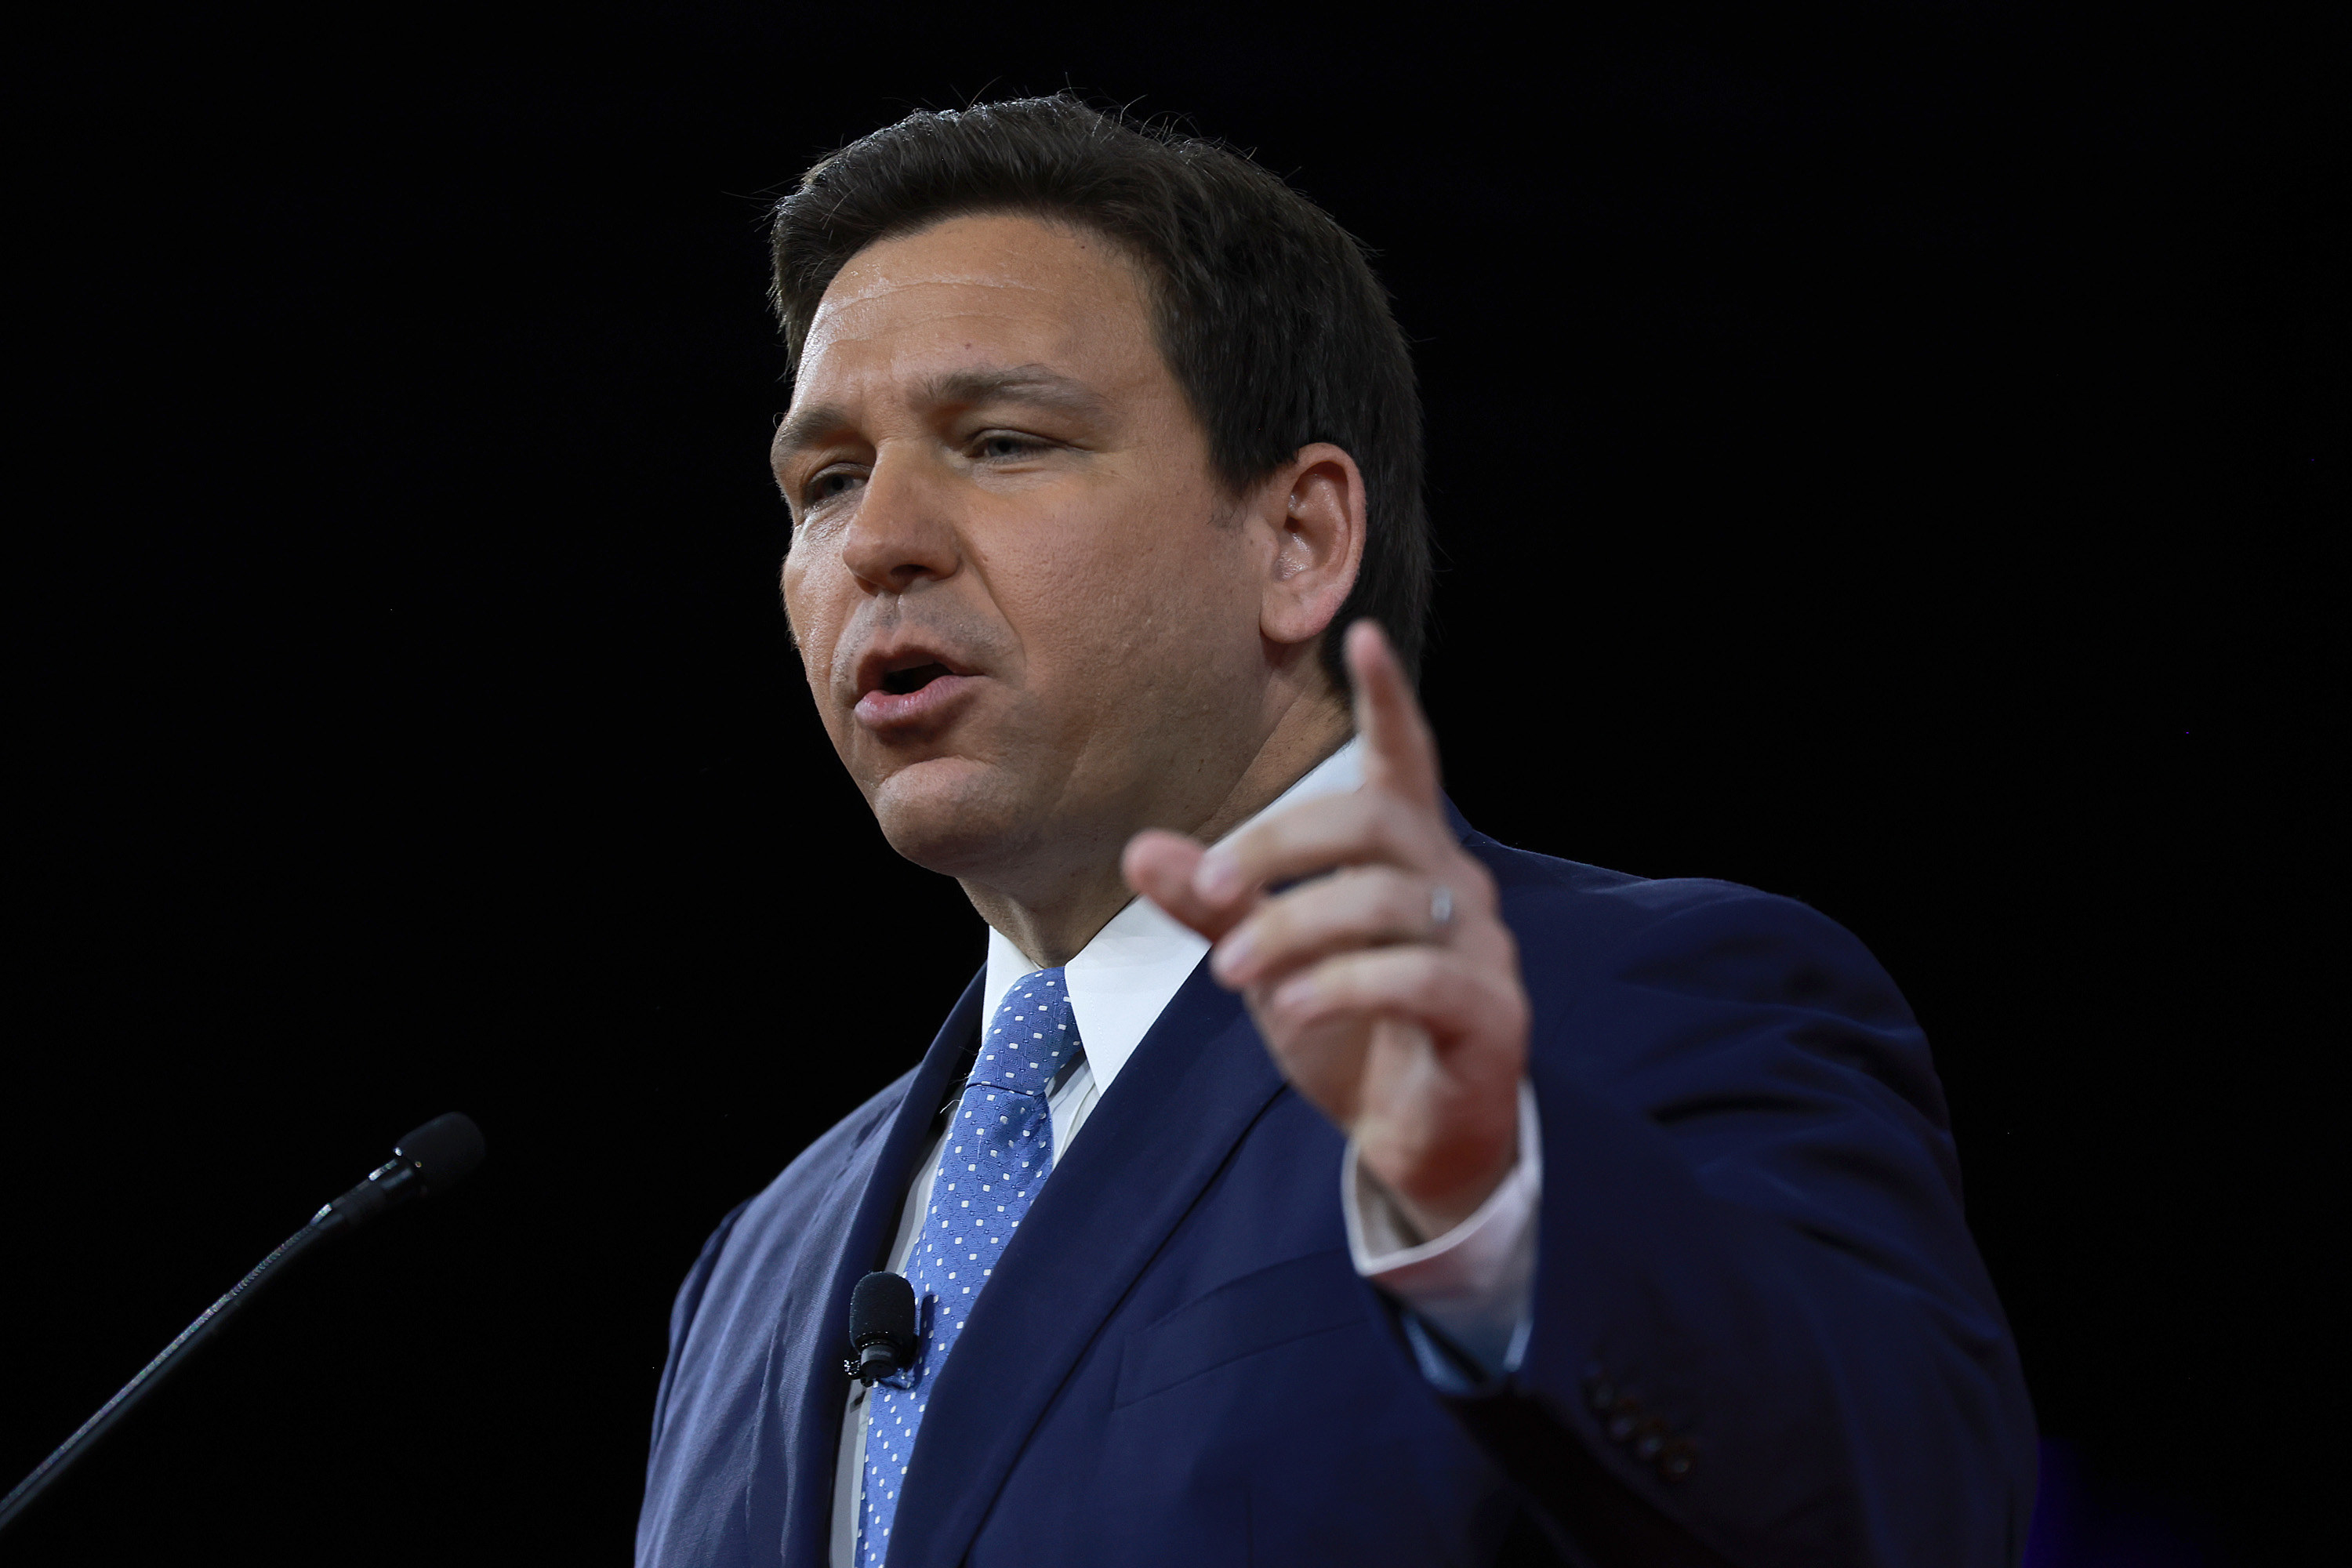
[901, 534]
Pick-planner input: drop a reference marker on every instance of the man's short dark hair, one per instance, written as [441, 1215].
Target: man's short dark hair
[1265, 308]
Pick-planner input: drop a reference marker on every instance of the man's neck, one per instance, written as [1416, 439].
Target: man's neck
[1054, 931]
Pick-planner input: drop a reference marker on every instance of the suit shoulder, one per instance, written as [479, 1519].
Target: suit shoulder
[1639, 928]
[811, 1171]
[744, 1254]
[815, 1167]
[1537, 884]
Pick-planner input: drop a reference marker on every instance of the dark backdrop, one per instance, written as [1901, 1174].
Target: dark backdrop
[1878, 454]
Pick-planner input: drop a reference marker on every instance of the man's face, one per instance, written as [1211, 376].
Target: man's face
[1027, 621]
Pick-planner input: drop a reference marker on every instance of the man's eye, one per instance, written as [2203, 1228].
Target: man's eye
[999, 446]
[831, 483]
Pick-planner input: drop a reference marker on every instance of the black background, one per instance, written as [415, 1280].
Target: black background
[1880, 454]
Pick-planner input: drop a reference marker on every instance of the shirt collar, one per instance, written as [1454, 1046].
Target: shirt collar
[1123, 980]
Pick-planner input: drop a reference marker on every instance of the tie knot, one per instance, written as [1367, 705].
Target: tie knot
[1033, 1036]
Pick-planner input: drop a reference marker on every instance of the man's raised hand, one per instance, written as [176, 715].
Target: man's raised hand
[1382, 977]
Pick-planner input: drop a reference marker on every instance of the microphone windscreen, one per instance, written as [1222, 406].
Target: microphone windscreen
[882, 1305]
[445, 1150]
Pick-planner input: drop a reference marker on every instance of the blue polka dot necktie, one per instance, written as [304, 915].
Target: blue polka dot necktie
[997, 1150]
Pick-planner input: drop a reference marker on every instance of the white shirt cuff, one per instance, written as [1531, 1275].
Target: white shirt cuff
[1475, 1284]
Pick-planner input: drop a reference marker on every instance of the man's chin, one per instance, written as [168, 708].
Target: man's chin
[949, 815]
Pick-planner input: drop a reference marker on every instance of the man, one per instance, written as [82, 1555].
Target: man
[1364, 1191]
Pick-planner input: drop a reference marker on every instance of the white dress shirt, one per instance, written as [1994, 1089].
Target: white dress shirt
[1475, 1284]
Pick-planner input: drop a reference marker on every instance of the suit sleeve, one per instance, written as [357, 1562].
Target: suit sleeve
[681, 1317]
[1760, 1331]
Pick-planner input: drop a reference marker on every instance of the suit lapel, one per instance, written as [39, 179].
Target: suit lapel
[879, 1175]
[1196, 1083]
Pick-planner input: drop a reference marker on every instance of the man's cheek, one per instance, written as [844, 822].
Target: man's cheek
[816, 634]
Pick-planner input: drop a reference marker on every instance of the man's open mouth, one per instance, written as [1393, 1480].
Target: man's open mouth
[908, 685]
[899, 682]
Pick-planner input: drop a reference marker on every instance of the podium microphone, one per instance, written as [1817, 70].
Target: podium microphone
[432, 1159]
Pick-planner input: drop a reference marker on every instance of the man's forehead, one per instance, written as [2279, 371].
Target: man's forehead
[1011, 270]
[871, 279]
[974, 309]
[982, 246]
[923, 337]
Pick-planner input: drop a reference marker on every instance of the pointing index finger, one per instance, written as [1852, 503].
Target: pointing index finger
[1400, 752]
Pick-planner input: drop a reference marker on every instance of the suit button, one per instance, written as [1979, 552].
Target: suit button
[1675, 1461]
[1601, 1394]
[1652, 1439]
[1623, 1416]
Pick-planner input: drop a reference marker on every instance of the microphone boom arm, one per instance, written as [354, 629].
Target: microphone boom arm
[128, 1396]
[434, 1157]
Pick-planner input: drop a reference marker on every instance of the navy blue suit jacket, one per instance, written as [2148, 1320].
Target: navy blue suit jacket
[1762, 1333]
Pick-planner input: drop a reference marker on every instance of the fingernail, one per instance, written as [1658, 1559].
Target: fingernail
[1217, 877]
[1232, 954]
[1296, 992]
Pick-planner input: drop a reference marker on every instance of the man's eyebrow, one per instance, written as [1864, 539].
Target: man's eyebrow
[1033, 384]
[804, 429]
[1023, 383]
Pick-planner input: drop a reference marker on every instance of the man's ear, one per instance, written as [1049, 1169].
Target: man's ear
[1312, 509]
